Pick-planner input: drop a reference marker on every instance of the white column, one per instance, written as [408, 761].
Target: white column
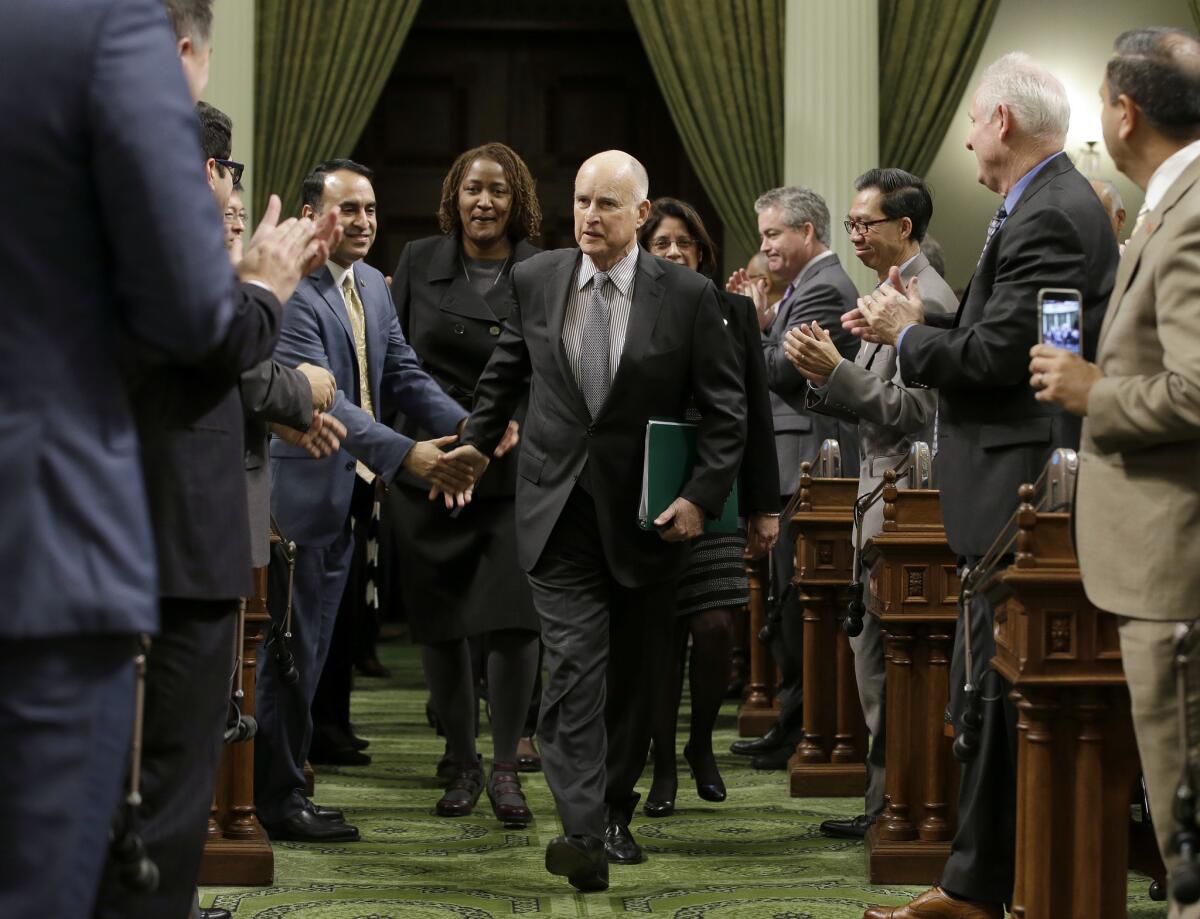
[831, 107]
[231, 83]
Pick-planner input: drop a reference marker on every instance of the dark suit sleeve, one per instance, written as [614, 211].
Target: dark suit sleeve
[171, 273]
[994, 351]
[504, 383]
[759, 482]
[720, 397]
[252, 336]
[819, 302]
[272, 392]
[402, 291]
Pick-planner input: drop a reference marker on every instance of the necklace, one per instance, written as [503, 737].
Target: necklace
[467, 274]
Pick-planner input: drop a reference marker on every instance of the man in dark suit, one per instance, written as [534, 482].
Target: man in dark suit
[602, 340]
[1050, 231]
[100, 97]
[794, 225]
[341, 318]
[190, 425]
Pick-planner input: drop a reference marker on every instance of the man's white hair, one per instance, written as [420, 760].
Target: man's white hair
[1036, 98]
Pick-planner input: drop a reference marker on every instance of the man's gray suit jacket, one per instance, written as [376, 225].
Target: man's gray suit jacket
[869, 393]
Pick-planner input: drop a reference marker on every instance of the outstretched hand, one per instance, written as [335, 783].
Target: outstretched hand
[461, 469]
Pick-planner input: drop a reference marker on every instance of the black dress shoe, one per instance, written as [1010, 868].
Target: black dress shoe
[305, 826]
[853, 828]
[327, 813]
[338, 756]
[768, 743]
[371, 667]
[358, 743]
[581, 860]
[775, 759]
[709, 784]
[620, 846]
[215, 913]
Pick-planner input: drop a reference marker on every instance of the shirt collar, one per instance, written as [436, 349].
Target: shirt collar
[1014, 193]
[1167, 172]
[621, 274]
[339, 273]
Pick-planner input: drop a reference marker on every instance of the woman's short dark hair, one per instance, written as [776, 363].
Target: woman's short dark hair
[681, 210]
[525, 218]
[1153, 68]
[902, 195]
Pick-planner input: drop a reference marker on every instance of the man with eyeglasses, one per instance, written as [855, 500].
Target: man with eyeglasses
[794, 224]
[888, 218]
[234, 216]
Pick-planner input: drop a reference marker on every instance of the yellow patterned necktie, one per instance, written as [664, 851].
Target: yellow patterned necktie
[358, 325]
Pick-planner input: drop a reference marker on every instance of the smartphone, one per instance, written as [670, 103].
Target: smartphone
[1060, 318]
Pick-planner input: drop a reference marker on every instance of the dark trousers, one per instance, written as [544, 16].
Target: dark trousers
[284, 712]
[188, 681]
[787, 641]
[981, 863]
[66, 710]
[600, 641]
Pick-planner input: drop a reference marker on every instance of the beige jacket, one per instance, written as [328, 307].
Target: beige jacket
[1137, 507]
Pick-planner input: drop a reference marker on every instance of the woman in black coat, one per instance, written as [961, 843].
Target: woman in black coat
[457, 575]
[715, 582]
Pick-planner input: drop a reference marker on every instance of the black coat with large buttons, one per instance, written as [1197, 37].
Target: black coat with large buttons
[454, 330]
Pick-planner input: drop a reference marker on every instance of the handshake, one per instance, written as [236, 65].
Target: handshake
[452, 476]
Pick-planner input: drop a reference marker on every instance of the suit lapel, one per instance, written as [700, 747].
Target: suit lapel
[643, 314]
[374, 315]
[558, 289]
[1132, 256]
[323, 281]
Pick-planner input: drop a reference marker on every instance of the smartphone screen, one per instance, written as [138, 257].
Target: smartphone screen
[1060, 314]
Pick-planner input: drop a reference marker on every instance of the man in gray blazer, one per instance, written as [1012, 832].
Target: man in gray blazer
[886, 223]
[794, 225]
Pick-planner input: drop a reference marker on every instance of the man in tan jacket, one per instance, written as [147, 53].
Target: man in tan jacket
[1139, 476]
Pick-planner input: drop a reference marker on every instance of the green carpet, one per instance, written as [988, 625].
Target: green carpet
[758, 855]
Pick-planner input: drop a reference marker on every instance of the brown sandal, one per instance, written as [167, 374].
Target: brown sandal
[508, 800]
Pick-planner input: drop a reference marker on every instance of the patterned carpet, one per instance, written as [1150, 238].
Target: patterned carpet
[756, 856]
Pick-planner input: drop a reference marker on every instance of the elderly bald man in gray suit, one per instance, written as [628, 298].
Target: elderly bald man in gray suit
[887, 221]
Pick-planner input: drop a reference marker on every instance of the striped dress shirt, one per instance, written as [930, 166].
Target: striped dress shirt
[618, 291]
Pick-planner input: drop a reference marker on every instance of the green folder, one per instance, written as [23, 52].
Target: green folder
[666, 468]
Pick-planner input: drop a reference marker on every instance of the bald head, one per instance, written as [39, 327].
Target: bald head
[1111, 199]
[611, 204]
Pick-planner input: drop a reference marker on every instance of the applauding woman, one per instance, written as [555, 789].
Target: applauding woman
[715, 582]
[458, 576]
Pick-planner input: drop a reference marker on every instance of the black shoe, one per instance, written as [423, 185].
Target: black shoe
[215, 913]
[709, 784]
[620, 846]
[853, 828]
[326, 813]
[581, 860]
[341, 755]
[775, 759]
[305, 826]
[358, 743]
[768, 743]
[371, 667]
[660, 802]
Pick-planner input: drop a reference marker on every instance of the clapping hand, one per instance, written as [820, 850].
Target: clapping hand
[886, 311]
[762, 534]
[280, 254]
[740, 282]
[812, 352]
[322, 384]
[323, 437]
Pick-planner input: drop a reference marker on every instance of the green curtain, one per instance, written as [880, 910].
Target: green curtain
[719, 65]
[320, 66]
[927, 52]
[1195, 5]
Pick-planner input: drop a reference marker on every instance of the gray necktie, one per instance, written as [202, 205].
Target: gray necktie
[997, 219]
[593, 354]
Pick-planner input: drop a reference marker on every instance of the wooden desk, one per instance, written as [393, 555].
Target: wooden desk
[237, 852]
[830, 760]
[914, 594]
[1077, 762]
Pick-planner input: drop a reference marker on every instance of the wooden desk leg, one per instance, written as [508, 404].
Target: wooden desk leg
[894, 822]
[243, 822]
[1033, 892]
[811, 749]
[756, 714]
[214, 825]
[849, 742]
[936, 825]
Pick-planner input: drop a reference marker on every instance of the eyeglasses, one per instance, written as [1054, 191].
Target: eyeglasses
[862, 227]
[232, 216]
[233, 166]
[663, 243]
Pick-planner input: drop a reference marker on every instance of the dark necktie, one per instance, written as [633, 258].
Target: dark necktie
[997, 219]
[593, 353]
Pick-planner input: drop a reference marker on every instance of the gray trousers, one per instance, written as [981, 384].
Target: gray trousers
[869, 672]
[601, 641]
[787, 643]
